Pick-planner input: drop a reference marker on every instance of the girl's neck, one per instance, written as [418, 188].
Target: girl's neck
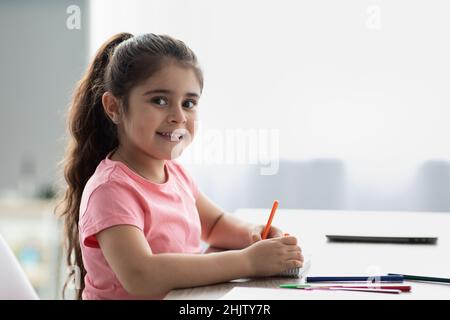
[149, 168]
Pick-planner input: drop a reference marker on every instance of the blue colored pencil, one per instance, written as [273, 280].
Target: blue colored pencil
[396, 278]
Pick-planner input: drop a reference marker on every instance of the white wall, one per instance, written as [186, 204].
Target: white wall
[40, 61]
[364, 82]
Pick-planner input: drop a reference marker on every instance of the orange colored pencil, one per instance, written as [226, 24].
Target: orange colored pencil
[269, 222]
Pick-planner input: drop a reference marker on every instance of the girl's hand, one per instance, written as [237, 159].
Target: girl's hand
[272, 256]
[257, 230]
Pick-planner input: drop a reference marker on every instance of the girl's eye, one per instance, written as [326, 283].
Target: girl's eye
[189, 104]
[161, 101]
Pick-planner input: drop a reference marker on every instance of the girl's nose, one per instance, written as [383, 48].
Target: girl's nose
[177, 115]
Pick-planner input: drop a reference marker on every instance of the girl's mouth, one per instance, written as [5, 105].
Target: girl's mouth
[171, 136]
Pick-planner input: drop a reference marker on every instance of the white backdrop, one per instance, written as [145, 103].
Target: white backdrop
[362, 82]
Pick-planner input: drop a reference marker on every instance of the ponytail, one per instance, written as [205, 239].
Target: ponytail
[93, 135]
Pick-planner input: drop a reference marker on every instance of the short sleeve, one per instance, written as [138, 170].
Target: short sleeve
[110, 204]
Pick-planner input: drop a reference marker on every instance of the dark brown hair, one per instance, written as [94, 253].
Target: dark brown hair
[121, 63]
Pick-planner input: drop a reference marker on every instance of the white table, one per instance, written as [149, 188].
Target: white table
[311, 226]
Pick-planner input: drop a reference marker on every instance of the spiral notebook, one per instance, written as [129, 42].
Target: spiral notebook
[297, 272]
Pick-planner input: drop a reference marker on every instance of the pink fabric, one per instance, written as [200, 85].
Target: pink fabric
[115, 195]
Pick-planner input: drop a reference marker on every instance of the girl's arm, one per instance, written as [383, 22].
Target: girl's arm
[222, 230]
[148, 275]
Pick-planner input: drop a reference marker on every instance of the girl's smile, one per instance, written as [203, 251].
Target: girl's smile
[174, 136]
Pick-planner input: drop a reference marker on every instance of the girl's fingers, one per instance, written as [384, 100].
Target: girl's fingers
[256, 237]
[289, 240]
[275, 232]
[294, 264]
[294, 248]
[296, 255]
[256, 233]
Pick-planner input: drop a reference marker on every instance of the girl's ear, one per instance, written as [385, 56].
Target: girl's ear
[111, 105]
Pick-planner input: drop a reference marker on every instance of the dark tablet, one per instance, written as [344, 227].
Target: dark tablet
[374, 239]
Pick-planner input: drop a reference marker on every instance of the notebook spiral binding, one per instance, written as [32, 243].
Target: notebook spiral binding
[296, 272]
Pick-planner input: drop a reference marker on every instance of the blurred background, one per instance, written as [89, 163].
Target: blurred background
[322, 104]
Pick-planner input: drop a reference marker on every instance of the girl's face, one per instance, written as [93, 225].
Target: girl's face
[162, 113]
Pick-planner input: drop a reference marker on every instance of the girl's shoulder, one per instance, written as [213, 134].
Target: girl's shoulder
[108, 175]
[108, 172]
[108, 184]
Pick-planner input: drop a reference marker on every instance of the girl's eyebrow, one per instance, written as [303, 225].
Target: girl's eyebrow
[165, 91]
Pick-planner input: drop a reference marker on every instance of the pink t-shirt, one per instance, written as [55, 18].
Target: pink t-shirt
[115, 195]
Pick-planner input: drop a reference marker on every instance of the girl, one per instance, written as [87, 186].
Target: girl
[134, 218]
